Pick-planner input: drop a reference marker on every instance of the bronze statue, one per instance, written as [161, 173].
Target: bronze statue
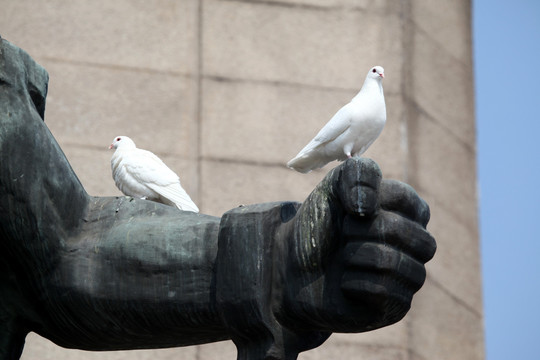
[110, 273]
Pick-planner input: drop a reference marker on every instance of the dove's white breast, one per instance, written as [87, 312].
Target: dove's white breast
[367, 122]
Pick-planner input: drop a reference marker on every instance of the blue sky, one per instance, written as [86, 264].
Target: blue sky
[507, 73]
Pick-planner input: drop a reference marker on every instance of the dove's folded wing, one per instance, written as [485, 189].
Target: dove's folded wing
[337, 125]
[177, 195]
[146, 168]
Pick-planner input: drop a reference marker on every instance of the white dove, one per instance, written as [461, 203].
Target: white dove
[141, 174]
[350, 131]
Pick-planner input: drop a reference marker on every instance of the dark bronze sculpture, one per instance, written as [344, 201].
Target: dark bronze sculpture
[109, 273]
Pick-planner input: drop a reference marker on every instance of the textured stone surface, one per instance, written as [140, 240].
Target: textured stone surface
[352, 350]
[147, 35]
[436, 312]
[457, 255]
[444, 167]
[332, 4]
[219, 350]
[301, 45]
[91, 105]
[226, 185]
[448, 23]
[43, 349]
[445, 91]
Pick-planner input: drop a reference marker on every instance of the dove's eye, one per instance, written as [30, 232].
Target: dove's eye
[118, 139]
[374, 70]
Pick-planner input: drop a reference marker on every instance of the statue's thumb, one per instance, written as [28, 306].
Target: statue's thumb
[357, 187]
[349, 189]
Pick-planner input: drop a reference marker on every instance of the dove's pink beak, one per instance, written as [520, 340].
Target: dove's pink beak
[381, 75]
[110, 146]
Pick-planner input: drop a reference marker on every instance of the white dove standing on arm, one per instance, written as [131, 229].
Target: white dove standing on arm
[141, 174]
[350, 131]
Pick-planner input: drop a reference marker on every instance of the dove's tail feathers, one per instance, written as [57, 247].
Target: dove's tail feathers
[187, 207]
[306, 163]
[177, 196]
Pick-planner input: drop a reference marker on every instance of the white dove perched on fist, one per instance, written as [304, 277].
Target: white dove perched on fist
[141, 174]
[350, 131]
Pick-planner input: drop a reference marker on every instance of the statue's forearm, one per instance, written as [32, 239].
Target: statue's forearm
[141, 270]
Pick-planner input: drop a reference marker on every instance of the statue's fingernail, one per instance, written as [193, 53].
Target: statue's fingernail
[366, 200]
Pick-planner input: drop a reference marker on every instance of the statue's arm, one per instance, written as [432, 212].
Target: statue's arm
[143, 270]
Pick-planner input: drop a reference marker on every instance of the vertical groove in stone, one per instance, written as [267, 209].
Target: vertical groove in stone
[198, 110]
[198, 120]
[405, 86]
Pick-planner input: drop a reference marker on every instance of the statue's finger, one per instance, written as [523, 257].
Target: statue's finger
[394, 230]
[358, 186]
[376, 258]
[384, 260]
[402, 198]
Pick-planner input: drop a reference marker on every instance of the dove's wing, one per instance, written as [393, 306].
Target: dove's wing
[337, 125]
[146, 168]
[176, 194]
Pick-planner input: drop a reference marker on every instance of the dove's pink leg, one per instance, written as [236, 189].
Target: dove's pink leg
[347, 149]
